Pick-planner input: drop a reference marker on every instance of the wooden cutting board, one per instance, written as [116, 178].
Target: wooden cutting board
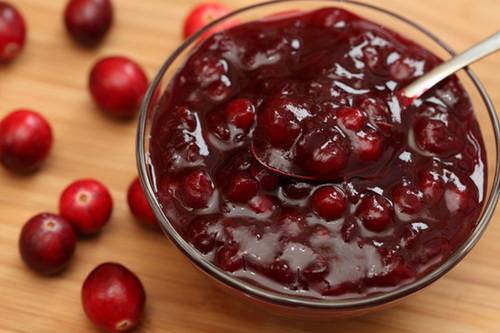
[51, 77]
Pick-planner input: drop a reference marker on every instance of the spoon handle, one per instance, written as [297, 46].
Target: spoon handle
[476, 52]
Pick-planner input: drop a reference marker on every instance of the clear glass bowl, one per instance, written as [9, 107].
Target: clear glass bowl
[303, 307]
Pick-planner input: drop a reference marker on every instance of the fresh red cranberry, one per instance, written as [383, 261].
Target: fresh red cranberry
[88, 21]
[197, 189]
[375, 212]
[229, 259]
[351, 119]
[25, 140]
[407, 200]
[206, 13]
[329, 202]
[87, 205]
[139, 205]
[113, 297]
[241, 113]
[118, 84]
[12, 32]
[47, 243]
[369, 146]
[241, 188]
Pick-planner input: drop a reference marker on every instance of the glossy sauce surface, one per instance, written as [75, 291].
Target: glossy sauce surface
[317, 91]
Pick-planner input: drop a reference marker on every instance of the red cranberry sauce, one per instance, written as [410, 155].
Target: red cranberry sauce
[319, 91]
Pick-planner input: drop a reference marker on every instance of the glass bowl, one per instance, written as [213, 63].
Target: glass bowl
[299, 306]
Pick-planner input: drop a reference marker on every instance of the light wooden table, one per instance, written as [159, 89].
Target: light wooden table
[51, 77]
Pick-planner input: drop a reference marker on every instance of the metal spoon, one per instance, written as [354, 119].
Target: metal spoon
[406, 95]
[467, 57]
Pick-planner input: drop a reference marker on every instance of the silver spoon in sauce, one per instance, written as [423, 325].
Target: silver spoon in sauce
[281, 165]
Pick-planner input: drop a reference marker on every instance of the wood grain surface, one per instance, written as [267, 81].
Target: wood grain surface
[51, 77]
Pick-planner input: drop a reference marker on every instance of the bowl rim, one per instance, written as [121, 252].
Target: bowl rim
[297, 301]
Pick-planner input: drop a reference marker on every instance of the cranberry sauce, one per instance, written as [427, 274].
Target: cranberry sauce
[317, 90]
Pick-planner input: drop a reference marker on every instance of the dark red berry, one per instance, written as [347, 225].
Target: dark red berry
[281, 271]
[87, 205]
[378, 113]
[241, 188]
[118, 85]
[280, 123]
[408, 200]
[12, 32]
[25, 140]
[369, 146]
[329, 202]
[433, 135]
[206, 70]
[327, 159]
[201, 232]
[461, 199]
[295, 189]
[203, 14]
[240, 113]
[432, 186]
[113, 297]
[47, 243]
[229, 258]
[197, 189]
[375, 212]
[139, 205]
[351, 119]
[88, 21]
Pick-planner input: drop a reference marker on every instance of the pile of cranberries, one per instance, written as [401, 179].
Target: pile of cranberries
[395, 189]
